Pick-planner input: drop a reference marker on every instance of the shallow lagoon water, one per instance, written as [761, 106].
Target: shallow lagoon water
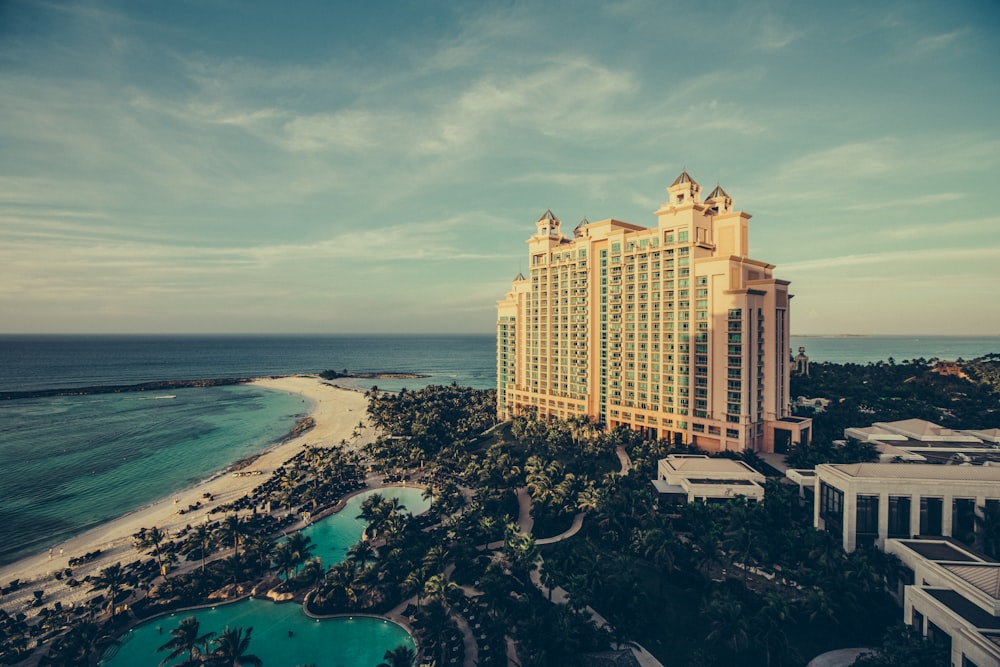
[334, 642]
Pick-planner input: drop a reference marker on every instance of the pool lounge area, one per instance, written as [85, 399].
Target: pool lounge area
[282, 633]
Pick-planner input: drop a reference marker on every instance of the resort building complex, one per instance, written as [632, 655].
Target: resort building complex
[926, 442]
[868, 503]
[688, 478]
[672, 330]
[951, 596]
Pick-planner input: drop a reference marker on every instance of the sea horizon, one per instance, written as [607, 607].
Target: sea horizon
[108, 436]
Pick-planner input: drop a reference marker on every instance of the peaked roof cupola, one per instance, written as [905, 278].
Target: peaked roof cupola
[548, 224]
[684, 190]
[719, 201]
[581, 229]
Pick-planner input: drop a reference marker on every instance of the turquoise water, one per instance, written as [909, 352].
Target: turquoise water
[71, 463]
[337, 533]
[333, 642]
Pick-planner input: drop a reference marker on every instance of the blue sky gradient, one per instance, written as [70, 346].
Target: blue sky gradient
[322, 167]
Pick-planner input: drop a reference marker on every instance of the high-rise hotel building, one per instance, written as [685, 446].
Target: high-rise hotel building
[672, 330]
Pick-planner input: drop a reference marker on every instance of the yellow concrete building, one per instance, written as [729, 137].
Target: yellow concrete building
[672, 330]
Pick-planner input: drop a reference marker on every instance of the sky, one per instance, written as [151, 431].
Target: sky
[224, 166]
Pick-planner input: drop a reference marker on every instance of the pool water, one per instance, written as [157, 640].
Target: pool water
[335, 642]
[337, 533]
[283, 636]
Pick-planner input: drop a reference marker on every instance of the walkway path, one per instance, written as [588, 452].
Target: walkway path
[558, 595]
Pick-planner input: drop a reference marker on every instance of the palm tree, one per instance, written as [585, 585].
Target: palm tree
[112, 580]
[301, 546]
[361, 554]
[660, 547]
[152, 538]
[259, 549]
[441, 589]
[312, 572]
[232, 530]
[186, 640]
[769, 625]
[198, 542]
[231, 649]
[414, 582]
[82, 644]
[401, 656]
[284, 559]
[726, 621]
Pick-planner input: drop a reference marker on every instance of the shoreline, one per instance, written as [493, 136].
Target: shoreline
[335, 412]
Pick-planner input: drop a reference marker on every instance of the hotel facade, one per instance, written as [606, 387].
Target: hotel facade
[672, 330]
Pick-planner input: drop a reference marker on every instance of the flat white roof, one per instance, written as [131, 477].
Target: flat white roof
[923, 471]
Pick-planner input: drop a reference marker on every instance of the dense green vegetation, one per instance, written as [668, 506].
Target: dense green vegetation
[697, 586]
[863, 394]
[718, 584]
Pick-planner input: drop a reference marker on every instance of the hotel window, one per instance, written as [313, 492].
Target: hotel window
[899, 516]
[831, 507]
[938, 636]
[917, 622]
[930, 516]
[867, 515]
[963, 519]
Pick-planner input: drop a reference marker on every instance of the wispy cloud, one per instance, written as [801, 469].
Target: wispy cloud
[936, 255]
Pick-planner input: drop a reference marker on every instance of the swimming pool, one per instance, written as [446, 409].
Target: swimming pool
[282, 634]
[337, 533]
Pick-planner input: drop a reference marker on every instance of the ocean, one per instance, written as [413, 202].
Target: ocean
[72, 462]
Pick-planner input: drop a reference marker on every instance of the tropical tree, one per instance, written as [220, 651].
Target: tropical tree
[81, 645]
[231, 530]
[360, 554]
[441, 589]
[231, 649]
[187, 640]
[284, 559]
[301, 547]
[198, 543]
[903, 647]
[312, 572]
[259, 549]
[110, 579]
[401, 656]
[152, 539]
[726, 622]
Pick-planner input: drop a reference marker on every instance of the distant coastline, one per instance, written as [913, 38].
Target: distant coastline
[166, 385]
[832, 336]
[160, 385]
[915, 336]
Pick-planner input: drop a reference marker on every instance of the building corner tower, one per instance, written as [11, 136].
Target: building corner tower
[672, 330]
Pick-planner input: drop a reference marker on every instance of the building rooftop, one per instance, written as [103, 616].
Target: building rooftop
[976, 616]
[939, 551]
[702, 465]
[984, 576]
[684, 178]
[919, 471]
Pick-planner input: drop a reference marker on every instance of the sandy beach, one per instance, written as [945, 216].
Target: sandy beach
[336, 413]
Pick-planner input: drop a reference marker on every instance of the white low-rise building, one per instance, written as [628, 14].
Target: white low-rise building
[927, 442]
[952, 596]
[866, 503]
[694, 477]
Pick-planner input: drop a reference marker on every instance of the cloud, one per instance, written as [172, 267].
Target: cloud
[937, 256]
[561, 98]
